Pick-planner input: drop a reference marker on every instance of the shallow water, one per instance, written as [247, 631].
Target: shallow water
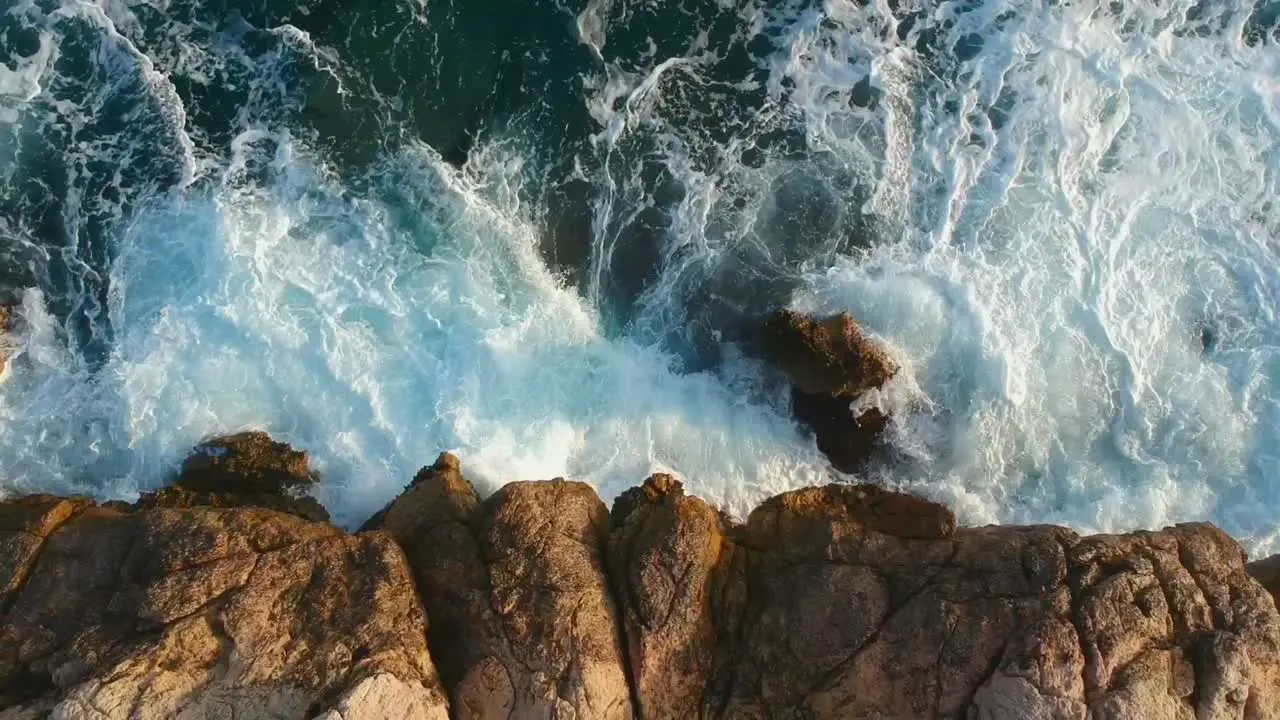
[539, 236]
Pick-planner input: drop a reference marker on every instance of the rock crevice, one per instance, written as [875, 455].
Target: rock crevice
[518, 580]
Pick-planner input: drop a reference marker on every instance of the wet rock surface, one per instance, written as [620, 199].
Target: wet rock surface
[8, 334]
[841, 601]
[826, 356]
[831, 364]
[248, 469]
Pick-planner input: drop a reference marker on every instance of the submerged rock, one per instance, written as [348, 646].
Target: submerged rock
[841, 601]
[831, 363]
[246, 469]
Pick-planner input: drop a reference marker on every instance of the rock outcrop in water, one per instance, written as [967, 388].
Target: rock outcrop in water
[248, 469]
[831, 363]
[841, 601]
[8, 343]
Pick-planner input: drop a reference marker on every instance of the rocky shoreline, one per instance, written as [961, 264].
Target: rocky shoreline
[226, 596]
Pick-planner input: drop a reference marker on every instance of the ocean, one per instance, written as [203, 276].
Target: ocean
[540, 234]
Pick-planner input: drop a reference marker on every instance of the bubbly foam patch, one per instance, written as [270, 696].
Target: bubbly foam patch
[375, 334]
[1087, 295]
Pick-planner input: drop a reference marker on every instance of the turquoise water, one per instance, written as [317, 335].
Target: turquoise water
[540, 235]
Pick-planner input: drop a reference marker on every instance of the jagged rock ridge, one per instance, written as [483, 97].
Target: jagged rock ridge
[842, 601]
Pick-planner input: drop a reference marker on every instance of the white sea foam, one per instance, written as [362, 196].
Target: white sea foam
[1087, 293]
[375, 344]
[1079, 277]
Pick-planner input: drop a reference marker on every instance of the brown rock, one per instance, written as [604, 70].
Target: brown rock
[303, 506]
[846, 439]
[244, 470]
[384, 697]
[796, 520]
[826, 357]
[671, 562]
[248, 462]
[830, 602]
[849, 601]
[25, 524]
[523, 622]
[876, 606]
[1040, 676]
[1267, 572]
[202, 612]
[432, 521]
[1171, 623]
[7, 342]
[831, 363]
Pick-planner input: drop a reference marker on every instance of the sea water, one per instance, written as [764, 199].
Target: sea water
[539, 235]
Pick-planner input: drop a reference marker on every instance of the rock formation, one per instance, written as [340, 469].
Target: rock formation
[248, 469]
[677, 575]
[826, 357]
[850, 601]
[525, 624]
[201, 613]
[1267, 572]
[831, 363]
[8, 343]
[842, 601]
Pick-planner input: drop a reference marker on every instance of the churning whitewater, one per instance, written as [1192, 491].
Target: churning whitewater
[537, 236]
